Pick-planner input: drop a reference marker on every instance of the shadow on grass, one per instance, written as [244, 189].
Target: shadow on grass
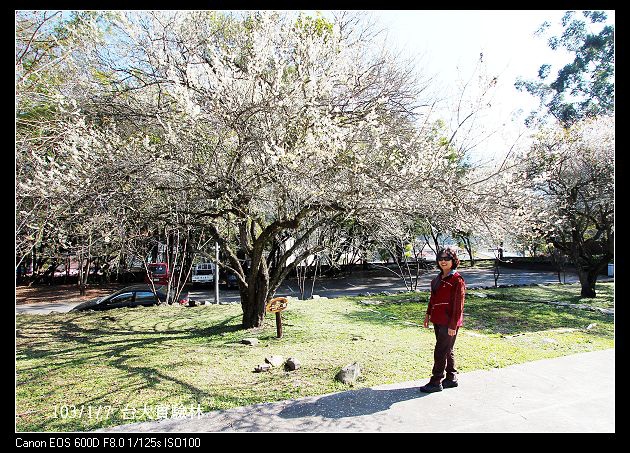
[503, 317]
[88, 346]
[554, 293]
[489, 316]
[66, 345]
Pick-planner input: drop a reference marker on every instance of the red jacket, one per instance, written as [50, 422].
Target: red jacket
[446, 304]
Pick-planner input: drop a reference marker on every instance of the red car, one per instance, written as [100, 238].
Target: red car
[158, 273]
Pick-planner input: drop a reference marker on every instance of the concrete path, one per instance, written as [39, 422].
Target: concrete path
[573, 393]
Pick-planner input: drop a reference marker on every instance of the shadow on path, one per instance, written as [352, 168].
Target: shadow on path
[351, 403]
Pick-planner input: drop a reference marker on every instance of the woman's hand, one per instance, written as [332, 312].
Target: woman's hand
[426, 320]
[452, 332]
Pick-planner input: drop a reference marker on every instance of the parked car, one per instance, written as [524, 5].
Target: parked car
[203, 273]
[231, 280]
[158, 273]
[130, 296]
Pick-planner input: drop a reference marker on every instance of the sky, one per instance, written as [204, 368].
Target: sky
[448, 45]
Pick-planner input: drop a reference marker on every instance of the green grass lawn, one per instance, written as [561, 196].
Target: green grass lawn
[83, 371]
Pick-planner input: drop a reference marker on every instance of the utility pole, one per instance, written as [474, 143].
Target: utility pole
[216, 273]
[216, 267]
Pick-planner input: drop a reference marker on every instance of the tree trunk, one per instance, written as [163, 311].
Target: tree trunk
[255, 298]
[155, 250]
[470, 253]
[588, 266]
[80, 281]
[50, 272]
[588, 280]
[253, 309]
[497, 273]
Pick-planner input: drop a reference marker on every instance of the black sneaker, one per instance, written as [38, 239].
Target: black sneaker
[448, 384]
[430, 388]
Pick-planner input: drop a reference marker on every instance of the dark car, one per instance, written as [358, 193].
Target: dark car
[131, 296]
[231, 281]
[228, 278]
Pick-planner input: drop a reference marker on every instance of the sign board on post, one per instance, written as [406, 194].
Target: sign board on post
[276, 305]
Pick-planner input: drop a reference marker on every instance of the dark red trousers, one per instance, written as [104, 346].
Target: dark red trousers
[443, 355]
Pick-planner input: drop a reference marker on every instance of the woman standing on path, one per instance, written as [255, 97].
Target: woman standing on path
[446, 312]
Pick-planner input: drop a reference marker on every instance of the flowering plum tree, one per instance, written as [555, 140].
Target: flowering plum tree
[569, 178]
[279, 126]
[266, 130]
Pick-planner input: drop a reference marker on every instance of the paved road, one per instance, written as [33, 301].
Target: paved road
[359, 282]
[570, 394]
[378, 280]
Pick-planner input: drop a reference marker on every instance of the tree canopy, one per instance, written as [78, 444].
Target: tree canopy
[585, 87]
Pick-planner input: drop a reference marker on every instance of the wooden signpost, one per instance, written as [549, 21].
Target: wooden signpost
[276, 305]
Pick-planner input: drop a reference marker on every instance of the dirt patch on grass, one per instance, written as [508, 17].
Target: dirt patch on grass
[58, 293]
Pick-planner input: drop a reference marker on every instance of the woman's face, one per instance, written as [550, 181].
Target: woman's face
[445, 262]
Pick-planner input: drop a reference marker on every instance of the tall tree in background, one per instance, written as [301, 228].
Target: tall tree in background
[570, 167]
[568, 174]
[584, 87]
[47, 121]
